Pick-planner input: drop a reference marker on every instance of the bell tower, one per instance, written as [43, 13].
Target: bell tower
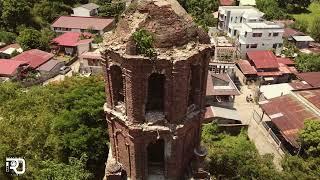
[155, 105]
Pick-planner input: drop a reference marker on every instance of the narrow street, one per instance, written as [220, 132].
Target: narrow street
[256, 132]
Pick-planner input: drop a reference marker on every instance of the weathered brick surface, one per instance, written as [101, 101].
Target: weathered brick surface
[129, 132]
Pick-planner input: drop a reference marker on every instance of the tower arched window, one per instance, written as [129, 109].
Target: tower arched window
[155, 97]
[117, 85]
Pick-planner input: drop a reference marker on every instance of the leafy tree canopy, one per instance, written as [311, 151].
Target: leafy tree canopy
[59, 129]
[308, 62]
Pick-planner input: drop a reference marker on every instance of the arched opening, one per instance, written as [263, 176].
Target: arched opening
[156, 157]
[155, 101]
[195, 84]
[117, 84]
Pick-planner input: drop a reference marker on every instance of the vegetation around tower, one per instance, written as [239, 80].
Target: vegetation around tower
[144, 41]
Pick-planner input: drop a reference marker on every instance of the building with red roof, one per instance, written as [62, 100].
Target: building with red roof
[33, 57]
[72, 43]
[82, 24]
[266, 65]
[289, 112]
[10, 68]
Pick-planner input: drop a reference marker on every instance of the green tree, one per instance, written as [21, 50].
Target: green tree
[7, 37]
[271, 9]
[47, 11]
[235, 157]
[310, 138]
[49, 125]
[308, 62]
[15, 13]
[30, 38]
[111, 8]
[315, 29]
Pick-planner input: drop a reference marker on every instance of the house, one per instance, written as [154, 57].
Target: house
[86, 10]
[34, 57]
[311, 78]
[221, 90]
[288, 113]
[82, 24]
[246, 25]
[8, 51]
[72, 43]
[91, 62]
[302, 42]
[10, 68]
[265, 66]
[224, 57]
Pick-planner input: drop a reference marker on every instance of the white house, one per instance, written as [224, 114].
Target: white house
[86, 10]
[247, 2]
[251, 31]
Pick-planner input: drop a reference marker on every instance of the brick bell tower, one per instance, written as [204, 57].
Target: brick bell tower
[155, 106]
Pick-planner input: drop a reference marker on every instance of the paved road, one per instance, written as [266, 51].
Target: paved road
[257, 134]
[74, 69]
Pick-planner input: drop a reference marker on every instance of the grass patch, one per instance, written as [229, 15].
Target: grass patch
[314, 9]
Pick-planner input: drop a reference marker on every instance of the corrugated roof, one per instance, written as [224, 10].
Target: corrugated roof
[246, 67]
[286, 61]
[293, 114]
[291, 32]
[312, 78]
[303, 38]
[48, 66]
[263, 59]
[9, 67]
[76, 22]
[34, 57]
[72, 39]
[216, 90]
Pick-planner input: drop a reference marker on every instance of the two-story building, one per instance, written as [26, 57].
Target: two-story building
[260, 36]
[251, 31]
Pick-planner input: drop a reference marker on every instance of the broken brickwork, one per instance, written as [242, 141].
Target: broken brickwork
[153, 136]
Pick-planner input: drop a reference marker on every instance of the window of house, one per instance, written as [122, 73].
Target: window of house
[257, 35]
[269, 34]
[275, 46]
[229, 30]
[241, 19]
[231, 19]
[245, 34]
[275, 34]
[235, 32]
[248, 46]
[236, 19]
[117, 84]
[156, 89]
[280, 45]
[254, 45]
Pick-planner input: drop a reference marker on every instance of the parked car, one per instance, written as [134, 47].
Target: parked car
[65, 69]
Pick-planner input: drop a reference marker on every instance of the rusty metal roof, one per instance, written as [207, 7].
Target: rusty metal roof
[289, 112]
[312, 78]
